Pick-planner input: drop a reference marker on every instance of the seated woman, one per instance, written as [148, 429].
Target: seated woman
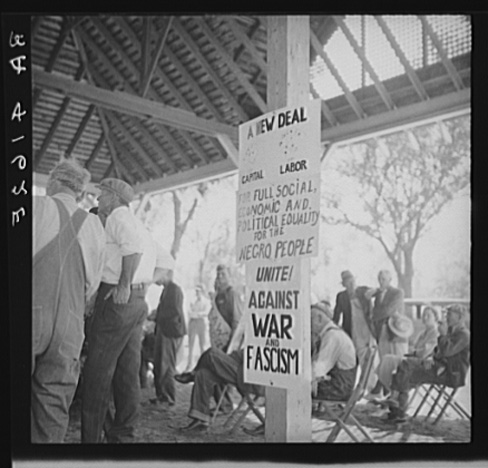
[423, 347]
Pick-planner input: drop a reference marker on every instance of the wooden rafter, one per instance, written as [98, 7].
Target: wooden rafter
[103, 120]
[451, 69]
[53, 57]
[35, 25]
[102, 82]
[141, 151]
[155, 58]
[179, 149]
[175, 61]
[80, 130]
[151, 142]
[412, 75]
[243, 38]
[228, 60]
[221, 86]
[351, 99]
[95, 151]
[240, 49]
[57, 121]
[145, 51]
[385, 96]
[128, 157]
[326, 112]
[198, 150]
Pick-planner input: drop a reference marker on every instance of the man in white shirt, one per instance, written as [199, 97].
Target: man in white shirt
[114, 343]
[68, 252]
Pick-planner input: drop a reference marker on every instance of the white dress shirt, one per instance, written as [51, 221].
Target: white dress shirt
[91, 235]
[126, 235]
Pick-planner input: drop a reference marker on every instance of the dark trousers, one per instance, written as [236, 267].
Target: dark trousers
[113, 362]
[214, 368]
[340, 385]
[410, 373]
[165, 352]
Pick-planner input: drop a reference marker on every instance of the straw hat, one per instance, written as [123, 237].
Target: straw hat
[400, 325]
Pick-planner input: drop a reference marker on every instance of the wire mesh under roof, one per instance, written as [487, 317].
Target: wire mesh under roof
[453, 32]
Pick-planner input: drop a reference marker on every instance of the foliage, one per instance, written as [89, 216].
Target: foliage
[401, 182]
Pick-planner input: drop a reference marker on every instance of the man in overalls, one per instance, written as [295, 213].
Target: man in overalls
[68, 253]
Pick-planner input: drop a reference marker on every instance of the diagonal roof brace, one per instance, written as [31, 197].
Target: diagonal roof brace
[133, 105]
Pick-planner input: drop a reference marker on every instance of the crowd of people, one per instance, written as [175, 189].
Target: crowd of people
[91, 272]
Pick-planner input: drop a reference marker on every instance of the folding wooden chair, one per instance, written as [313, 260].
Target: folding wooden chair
[441, 397]
[247, 404]
[346, 407]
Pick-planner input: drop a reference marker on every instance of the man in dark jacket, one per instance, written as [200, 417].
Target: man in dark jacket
[169, 333]
[448, 366]
[354, 308]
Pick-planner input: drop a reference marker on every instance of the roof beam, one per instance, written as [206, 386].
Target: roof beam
[95, 151]
[80, 130]
[457, 103]
[403, 59]
[116, 163]
[221, 168]
[221, 86]
[451, 69]
[326, 112]
[146, 81]
[133, 105]
[128, 157]
[351, 99]
[141, 151]
[145, 52]
[102, 82]
[415, 114]
[244, 39]
[196, 148]
[150, 141]
[193, 84]
[228, 60]
[57, 121]
[362, 56]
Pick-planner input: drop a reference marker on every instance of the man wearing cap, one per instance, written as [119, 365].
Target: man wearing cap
[114, 343]
[449, 364]
[169, 332]
[354, 308]
[68, 252]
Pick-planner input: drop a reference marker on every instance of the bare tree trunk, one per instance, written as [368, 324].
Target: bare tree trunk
[180, 226]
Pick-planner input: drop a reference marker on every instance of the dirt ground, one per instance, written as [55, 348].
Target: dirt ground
[158, 425]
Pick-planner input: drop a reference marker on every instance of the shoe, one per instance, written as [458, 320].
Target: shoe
[195, 426]
[185, 377]
[395, 418]
[259, 430]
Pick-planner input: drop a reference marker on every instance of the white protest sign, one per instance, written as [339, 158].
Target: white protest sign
[278, 201]
[273, 351]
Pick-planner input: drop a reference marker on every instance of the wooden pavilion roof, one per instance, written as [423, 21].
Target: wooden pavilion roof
[157, 100]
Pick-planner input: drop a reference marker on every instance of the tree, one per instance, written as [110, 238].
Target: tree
[391, 187]
[158, 206]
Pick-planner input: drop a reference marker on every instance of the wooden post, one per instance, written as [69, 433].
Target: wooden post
[288, 412]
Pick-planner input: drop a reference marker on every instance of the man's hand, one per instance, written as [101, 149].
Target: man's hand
[120, 294]
[370, 293]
